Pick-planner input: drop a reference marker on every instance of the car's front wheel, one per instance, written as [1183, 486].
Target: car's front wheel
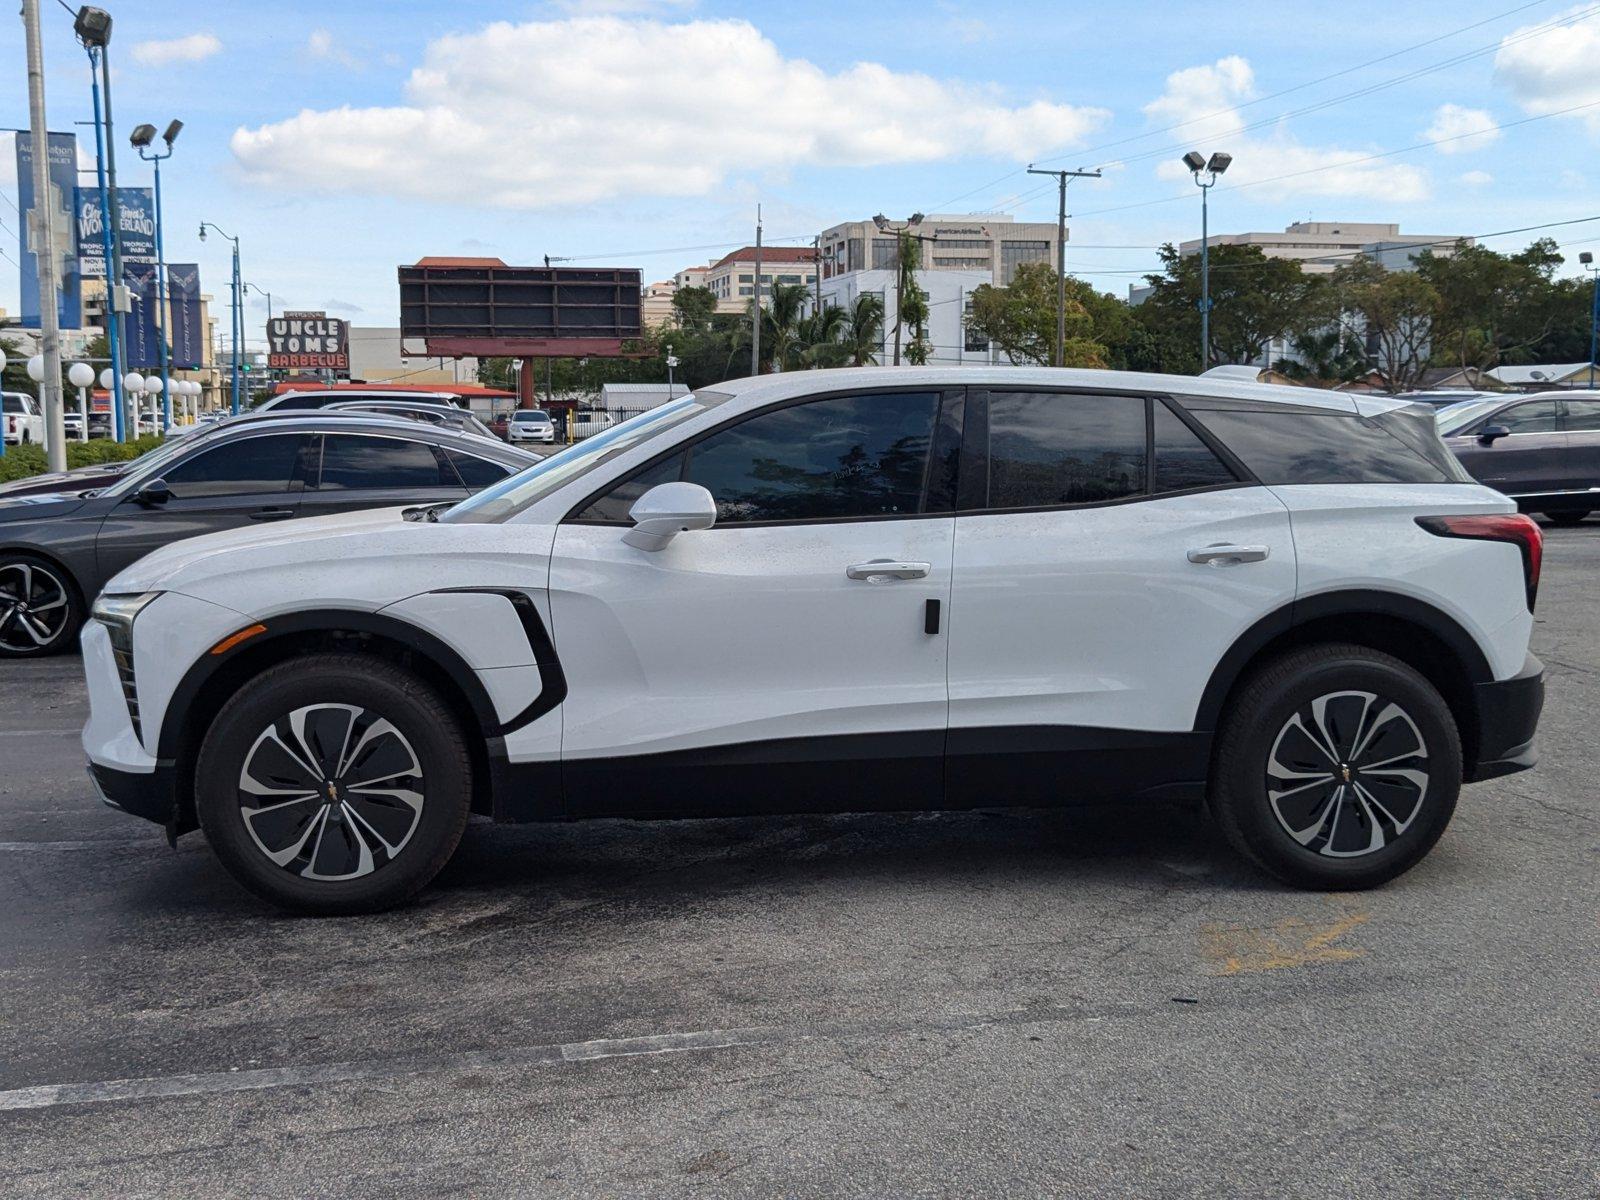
[40, 610]
[334, 783]
[1336, 767]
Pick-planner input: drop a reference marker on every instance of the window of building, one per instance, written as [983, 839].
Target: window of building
[1048, 449]
[788, 279]
[747, 278]
[841, 458]
[885, 254]
[961, 264]
[973, 341]
[856, 257]
[964, 243]
[257, 465]
[351, 463]
[1015, 253]
[748, 291]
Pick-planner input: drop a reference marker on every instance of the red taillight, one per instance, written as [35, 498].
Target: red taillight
[1517, 528]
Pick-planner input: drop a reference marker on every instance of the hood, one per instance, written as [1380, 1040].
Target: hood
[38, 506]
[76, 480]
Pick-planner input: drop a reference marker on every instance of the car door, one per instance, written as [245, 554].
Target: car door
[1107, 555]
[243, 481]
[1583, 446]
[366, 470]
[1529, 460]
[791, 657]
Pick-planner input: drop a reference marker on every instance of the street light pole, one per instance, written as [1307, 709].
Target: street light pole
[238, 305]
[141, 138]
[1587, 260]
[901, 231]
[1061, 255]
[1211, 169]
[44, 246]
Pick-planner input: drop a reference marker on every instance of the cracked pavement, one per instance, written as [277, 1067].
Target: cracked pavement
[1096, 1001]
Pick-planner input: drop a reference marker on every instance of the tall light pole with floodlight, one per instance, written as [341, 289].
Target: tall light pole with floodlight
[141, 138]
[1205, 173]
[238, 306]
[1587, 260]
[901, 230]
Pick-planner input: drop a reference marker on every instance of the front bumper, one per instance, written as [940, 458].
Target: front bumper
[1508, 716]
[147, 794]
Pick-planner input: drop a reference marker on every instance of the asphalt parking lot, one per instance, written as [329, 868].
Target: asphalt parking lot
[1093, 1002]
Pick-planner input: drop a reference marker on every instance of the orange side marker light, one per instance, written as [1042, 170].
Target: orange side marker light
[233, 639]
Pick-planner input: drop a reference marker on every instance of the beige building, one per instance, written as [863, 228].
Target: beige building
[210, 375]
[995, 243]
[1322, 246]
[655, 303]
[732, 277]
[377, 355]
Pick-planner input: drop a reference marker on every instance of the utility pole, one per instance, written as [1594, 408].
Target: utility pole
[901, 233]
[1061, 254]
[755, 312]
[44, 246]
[1587, 259]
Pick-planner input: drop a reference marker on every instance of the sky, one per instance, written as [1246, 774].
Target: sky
[340, 141]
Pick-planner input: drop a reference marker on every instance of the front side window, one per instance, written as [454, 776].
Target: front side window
[476, 472]
[848, 457]
[1048, 449]
[354, 463]
[1537, 416]
[249, 466]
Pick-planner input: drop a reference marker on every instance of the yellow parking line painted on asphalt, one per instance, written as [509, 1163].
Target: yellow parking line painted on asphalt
[1291, 942]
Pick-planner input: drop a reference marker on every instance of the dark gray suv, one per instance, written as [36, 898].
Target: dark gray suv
[1542, 450]
[57, 549]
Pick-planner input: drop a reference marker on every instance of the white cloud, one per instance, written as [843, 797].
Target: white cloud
[1206, 100]
[321, 44]
[1459, 130]
[573, 111]
[193, 48]
[1554, 69]
[1477, 179]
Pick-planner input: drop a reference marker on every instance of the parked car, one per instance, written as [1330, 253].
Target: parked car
[1542, 450]
[322, 399]
[449, 416]
[1444, 397]
[850, 589]
[530, 425]
[22, 418]
[58, 548]
[588, 422]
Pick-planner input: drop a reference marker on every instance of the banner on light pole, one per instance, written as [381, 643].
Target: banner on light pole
[63, 161]
[183, 302]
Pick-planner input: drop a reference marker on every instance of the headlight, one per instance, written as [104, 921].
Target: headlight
[116, 613]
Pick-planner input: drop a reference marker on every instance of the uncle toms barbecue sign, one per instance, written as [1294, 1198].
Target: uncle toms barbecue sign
[308, 339]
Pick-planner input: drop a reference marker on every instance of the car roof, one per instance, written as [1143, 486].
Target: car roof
[765, 388]
[321, 421]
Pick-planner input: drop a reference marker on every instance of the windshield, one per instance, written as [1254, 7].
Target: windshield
[512, 495]
[1458, 416]
[528, 415]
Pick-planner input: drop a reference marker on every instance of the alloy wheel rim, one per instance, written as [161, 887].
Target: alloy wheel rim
[1347, 774]
[331, 792]
[33, 606]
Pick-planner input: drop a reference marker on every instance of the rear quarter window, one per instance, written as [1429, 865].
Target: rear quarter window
[1296, 446]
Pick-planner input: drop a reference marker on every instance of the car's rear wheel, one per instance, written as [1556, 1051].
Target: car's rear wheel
[40, 610]
[1336, 767]
[334, 783]
[1571, 516]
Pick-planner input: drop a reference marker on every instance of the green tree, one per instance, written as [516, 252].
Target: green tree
[1021, 318]
[1395, 312]
[861, 333]
[1254, 299]
[1496, 308]
[912, 310]
[693, 308]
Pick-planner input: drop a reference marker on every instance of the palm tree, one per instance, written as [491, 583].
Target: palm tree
[781, 340]
[861, 333]
[820, 336]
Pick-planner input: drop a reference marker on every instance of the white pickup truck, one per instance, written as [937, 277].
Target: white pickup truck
[22, 418]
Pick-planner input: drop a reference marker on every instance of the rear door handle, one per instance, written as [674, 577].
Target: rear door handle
[882, 570]
[271, 514]
[1223, 555]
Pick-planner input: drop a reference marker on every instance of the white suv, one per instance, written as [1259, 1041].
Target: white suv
[21, 419]
[856, 589]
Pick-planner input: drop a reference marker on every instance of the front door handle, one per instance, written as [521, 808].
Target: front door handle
[882, 570]
[271, 514]
[1223, 555]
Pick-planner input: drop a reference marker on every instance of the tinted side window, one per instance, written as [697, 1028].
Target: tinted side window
[250, 465]
[1537, 416]
[851, 456]
[1300, 447]
[476, 472]
[364, 463]
[1048, 448]
[1583, 416]
[1182, 460]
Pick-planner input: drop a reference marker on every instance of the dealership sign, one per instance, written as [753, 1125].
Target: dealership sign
[308, 339]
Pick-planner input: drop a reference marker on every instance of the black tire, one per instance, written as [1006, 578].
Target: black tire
[1570, 516]
[1309, 834]
[406, 842]
[47, 619]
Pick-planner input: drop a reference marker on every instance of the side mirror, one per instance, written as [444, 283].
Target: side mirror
[1489, 433]
[667, 510]
[154, 493]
